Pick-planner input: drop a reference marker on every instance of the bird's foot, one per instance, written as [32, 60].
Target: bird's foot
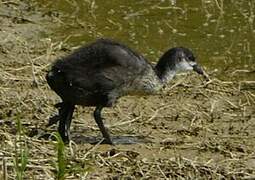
[107, 141]
[53, 120]
[65, 137]
[56, 118]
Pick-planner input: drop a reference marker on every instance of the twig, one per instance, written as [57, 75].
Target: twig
[242, 70]
[33, 73]
[177, 83]
[156, 113]
[5, 175]
[232, 104]
[104, 162]
[92, 149]
[168, 7]
[160, 170]
[252, 97]
[219, 6]
[212, 106]
[126, 122]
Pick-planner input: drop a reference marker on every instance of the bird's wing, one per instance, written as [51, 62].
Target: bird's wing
[113, 68]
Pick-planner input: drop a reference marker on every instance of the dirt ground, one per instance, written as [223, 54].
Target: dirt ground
[191, 130]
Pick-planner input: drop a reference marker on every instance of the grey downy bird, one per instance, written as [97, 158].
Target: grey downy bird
[103, 71]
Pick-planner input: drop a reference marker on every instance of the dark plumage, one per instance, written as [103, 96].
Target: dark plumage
[101, 72]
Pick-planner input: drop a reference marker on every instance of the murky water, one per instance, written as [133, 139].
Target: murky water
[221, 33]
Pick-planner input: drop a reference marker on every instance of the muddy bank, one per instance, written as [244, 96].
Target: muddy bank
[192, 130]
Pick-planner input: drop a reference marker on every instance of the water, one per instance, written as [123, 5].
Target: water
[221, 33]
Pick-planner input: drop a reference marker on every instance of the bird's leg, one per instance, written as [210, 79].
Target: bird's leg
[99, 121]
[65, 119]
[56, 118]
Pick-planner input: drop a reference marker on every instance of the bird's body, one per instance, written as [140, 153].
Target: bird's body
[100, 73]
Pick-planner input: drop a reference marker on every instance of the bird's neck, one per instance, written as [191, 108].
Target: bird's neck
[165, 75]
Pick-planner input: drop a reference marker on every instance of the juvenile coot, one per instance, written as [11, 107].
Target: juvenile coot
[100, 73]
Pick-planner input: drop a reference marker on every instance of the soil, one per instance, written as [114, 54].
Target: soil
[191, 130]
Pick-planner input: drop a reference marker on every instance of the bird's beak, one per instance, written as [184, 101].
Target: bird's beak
[199, 70]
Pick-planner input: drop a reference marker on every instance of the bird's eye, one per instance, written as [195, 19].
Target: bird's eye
[191, 58]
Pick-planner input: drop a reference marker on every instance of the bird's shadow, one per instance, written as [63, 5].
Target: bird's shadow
[124, 140]
[81, 139]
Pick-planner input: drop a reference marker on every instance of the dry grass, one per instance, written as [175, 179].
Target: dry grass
[197, 130]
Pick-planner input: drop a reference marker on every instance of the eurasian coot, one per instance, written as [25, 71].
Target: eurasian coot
[101, 72]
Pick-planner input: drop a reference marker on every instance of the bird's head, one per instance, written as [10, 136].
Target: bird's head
[179, 59]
